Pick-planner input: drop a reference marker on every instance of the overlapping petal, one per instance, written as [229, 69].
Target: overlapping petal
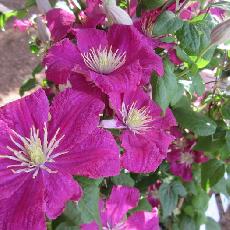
[60, 60]
[29, 111]
[59, 23]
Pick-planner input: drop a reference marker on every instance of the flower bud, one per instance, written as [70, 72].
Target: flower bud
[115, 14]
[221, 33]
[43, 6]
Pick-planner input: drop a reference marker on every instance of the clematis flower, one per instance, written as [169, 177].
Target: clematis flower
[145, 26]
[59, 23]
[41, 148]
[181, 158]
[144, 130]
[113, 212]
[108, 59]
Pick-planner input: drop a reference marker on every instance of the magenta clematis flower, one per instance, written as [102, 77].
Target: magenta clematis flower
[145, 26]
[181, 158]
[41, 148]
[59, 23]
[113, 212]
[108, 59]
[144, 136]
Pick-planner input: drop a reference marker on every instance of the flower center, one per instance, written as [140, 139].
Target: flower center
[138, 120]
[104, 61]
[31, 154]
[186, 158]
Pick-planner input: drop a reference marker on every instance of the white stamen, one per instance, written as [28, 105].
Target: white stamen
[186, 158]
[104, 61]
[33, 154]
[137, 120]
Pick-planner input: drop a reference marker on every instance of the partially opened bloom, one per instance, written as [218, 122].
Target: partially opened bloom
[108, 59]
[144, 137]
[181, 158]
[113, 212]
[22, 25]
[41, 148]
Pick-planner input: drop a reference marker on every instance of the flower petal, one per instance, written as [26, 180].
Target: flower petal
[90, 38]
[91, 226]
[60, 187]
[143, 220]
[60, 59]
[76, 114]
[80, 83]
[121, 200]
[24, 113]
[144, 154]
[59, 23]
[121, 80]
[25, 208]
[96, 156]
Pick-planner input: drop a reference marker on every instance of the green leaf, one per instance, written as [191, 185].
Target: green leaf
[187, 223]
[30, 3]
[211, 172]
[123, 179]
[227, 137]
[27, 85]
[37, 70]
[182, 55]
[166, 89]
[200, 201]
[86, 210]
[167, 23]
[198, 84]
[189, 38]
[169, 194]
[212, 224]
[221, 186]
[142, 205]
[226, 110]
[178, 94]
[152, 4]
[194, 121]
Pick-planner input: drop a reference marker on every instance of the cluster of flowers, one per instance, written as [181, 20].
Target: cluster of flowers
[103, 71]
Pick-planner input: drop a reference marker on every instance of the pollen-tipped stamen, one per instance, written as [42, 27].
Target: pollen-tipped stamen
[33, 155]
[104, 61]
[186, 158]
[137, 120]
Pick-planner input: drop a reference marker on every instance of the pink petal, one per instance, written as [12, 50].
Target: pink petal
[143, 220]
[90, 38]
[24, 113]
[144, 153]
[76, 114]
[119, 36]
[80, 83]
[121, 200]
[91, 226]
[60, 60]
[59, 23]
[25, 208]
[96, 156]
[60, 187]
[121, 80]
